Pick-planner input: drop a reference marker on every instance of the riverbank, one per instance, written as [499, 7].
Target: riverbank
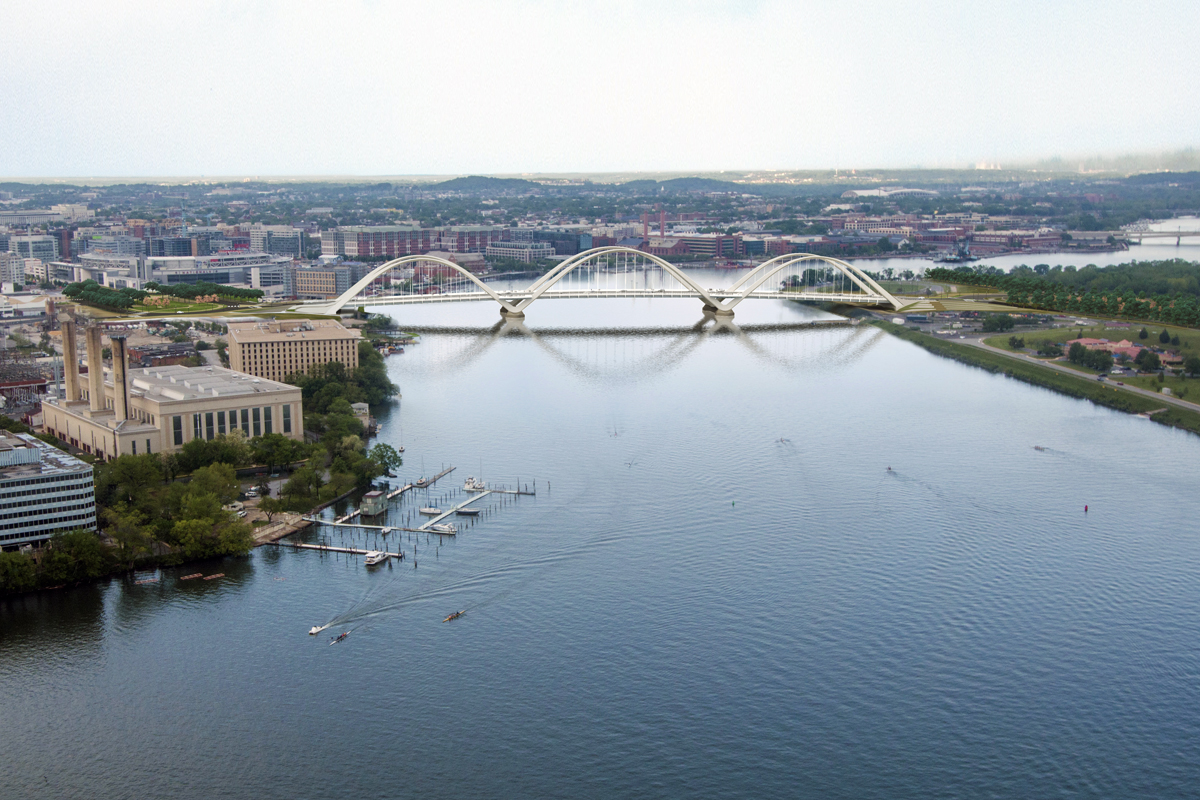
[1102, 394]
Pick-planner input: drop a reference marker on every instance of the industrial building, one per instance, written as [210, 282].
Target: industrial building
[159, 409]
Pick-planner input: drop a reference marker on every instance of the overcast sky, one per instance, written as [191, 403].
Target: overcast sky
[397, 88]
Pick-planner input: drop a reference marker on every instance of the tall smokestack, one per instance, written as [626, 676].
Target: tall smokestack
[662, 222]
[120, 386]
[95, 359]
[70, 357]
[646, 225]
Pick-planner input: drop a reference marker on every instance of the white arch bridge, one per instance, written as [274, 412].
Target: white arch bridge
[610, 272]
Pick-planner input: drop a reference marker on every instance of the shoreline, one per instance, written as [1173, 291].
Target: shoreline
[1036, 374]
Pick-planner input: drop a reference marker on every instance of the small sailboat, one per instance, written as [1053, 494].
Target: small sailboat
[455, 615]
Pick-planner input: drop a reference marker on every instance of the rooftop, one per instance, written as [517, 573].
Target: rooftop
[25, 456]
[282, 331]
[175, 383]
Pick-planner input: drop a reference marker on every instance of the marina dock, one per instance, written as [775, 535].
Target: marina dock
[328, 548]
[477, 496]
[431, 481]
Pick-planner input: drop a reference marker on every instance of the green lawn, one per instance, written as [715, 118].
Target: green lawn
[186, 306]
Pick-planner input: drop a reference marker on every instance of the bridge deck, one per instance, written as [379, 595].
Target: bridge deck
[849, 298]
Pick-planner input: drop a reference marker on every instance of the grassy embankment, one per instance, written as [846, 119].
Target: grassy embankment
[1087, 388]
[1189, 343]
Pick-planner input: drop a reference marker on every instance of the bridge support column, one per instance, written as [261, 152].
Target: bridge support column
[504, 312]
[718, 312]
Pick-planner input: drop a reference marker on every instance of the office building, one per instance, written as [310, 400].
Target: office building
[520, 251]
[43, 491]
[34, 246]
[275, 350]
[321, 283]
[122, 411]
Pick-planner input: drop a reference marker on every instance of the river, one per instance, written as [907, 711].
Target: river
[760, 562]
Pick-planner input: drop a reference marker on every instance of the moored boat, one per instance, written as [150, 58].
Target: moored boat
[429, 511]
[472, 485]
[375, 557]
[444, 529]
[467, 512]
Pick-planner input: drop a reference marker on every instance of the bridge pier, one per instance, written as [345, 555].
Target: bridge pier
[718, 312]
[504, 312]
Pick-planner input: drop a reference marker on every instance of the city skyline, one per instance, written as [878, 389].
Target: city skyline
[306, 89]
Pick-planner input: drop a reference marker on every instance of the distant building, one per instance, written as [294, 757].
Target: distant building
[322, 283]
[34, 246]
[43, 491]
[279, 240]
[275, 350]
[520, 251]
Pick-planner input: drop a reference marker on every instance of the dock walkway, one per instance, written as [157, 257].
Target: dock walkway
[328, 548]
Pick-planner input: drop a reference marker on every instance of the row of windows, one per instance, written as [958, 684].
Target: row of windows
[89, 521]
[76, 507]
[35, 481]
[43, 501]
[210, 424]
[61, 487]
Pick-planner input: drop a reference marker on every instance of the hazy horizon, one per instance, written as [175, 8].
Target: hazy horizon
[360, 89]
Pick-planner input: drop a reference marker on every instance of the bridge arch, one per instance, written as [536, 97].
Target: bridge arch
[729, 298]
[768, 269]
[342, 300]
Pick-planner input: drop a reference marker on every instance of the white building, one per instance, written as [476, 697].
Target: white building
[521, 251]
[43, 491]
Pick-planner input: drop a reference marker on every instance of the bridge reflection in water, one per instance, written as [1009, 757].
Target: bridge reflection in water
[610, 272]
[609, 355]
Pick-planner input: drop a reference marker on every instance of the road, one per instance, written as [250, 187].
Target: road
[977, 341]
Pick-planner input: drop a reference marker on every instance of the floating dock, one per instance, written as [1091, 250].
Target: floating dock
[431, 481]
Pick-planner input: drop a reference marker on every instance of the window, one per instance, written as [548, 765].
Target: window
[208, 424]
[287, 417]
[148, 446]
[133, 444]
[221, 422]
[197, 427]
[257, 426]
[267, 419]
[246, 421]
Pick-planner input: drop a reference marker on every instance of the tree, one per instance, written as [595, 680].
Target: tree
[1164, 337]
[1148, 361]
[1191, 365]
[1143, 334]
[275, 450]
[386, 456]
[998, 323]
[17, 572]
[1077, 353]
[270, 506]
[1016, 343]
[219, 480]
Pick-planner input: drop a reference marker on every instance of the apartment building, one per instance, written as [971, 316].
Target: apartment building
[274, 350]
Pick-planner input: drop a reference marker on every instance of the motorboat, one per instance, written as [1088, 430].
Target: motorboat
[473, 485]
[467, 512]
[375, 557]
[445, 529]
[455, 615]
[429, 511]
[317, 629]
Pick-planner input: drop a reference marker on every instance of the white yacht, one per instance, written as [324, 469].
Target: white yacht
[429, 511]
[473, 485]
[375, 557]
[446, 529]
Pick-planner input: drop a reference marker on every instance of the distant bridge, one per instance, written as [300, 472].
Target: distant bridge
[1177, 235]
[620, 272]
